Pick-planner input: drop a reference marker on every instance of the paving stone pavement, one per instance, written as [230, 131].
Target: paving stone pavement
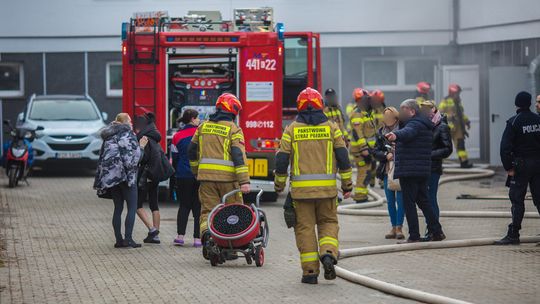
[58, 240]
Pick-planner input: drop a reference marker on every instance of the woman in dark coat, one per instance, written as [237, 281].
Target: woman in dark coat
[117, 173]
[441, 149]
[187, 186]
[384, 155]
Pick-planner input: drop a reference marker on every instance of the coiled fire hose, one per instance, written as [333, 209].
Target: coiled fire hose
[400, 291]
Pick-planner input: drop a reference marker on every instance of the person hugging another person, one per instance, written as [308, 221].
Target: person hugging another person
[384, 152]
[153, 168]
[187, 186]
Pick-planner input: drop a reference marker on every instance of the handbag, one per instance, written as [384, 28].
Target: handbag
[392, 184]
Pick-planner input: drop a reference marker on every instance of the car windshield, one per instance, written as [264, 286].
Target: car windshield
[63, 109]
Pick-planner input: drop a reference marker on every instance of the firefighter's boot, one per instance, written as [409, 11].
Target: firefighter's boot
[328, 262]
[206, 244]
[310, 279]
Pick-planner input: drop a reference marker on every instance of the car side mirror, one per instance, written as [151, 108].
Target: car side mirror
[20, 117]
[105, 115]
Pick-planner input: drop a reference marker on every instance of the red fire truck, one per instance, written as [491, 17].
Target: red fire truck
[172, 64]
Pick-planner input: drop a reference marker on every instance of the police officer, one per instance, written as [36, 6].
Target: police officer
[314, 148]
[363, 139]
[520, 155]
[217, 158]
[333, 111]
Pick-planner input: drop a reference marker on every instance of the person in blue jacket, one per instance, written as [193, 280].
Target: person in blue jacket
[187, 187]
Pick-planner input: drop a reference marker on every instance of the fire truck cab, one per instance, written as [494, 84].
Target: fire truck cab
[172, 64]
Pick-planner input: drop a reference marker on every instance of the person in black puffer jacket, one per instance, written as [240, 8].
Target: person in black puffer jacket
[413, 168]
[442, 148]
[151, 172]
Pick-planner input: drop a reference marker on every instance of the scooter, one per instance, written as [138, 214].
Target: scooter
[17, 160]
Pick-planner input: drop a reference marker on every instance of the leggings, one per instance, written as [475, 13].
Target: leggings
[187, 191]
[151, 191]
[120, 193]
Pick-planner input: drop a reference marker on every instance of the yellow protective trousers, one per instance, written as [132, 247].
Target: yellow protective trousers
[210, 194]
[363, 178]
[314, 244]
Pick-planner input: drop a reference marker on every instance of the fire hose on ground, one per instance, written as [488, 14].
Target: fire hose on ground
[400, 291]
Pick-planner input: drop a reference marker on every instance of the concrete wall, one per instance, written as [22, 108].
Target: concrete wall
[498, 20]
[94, 25]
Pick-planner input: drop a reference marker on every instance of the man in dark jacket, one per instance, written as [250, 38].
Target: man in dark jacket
[413, 168]
[520, 156]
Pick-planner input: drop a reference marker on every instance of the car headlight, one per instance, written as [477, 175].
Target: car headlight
[17, 152]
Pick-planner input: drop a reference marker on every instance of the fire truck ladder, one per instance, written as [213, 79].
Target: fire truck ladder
[144, 63]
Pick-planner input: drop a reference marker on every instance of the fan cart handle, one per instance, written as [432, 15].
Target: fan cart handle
[257, 199]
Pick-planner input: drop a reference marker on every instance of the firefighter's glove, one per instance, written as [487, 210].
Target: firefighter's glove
[279, 182]
[288, 212]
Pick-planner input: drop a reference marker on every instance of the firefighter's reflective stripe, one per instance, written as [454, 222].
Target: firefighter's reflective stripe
[215, 129]
[216, 164]
[193, 163]
[361, 163]
[311, 133]
[329, 157]
[327, 240]
[359, 142]
[286, 137]
[346, 175]
[309, 257]
[241, 169]
[462, 154]
[361, 190]
[296, 168]
[310, 177]
[313, 183]
[238, 136]
[226, 149]
[357, 120]
[281, 179]
[338, 134]
[372, 141]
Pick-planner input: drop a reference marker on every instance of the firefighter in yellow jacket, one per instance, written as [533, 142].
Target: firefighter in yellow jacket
[457, 121]
[377, 110]
[314, 148]
[363, 138]
[217, 157]
[422, 92]
[333, 111]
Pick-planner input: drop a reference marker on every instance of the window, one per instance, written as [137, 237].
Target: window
[113, 75]
[380, 72]
[11, 80]
[397, 74]
[295, 57]
[62, 109]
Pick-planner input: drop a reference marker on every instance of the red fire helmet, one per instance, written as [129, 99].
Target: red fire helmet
[377, 96]
[229, 103]
[309, 97]
[423, 87]
[358, 94]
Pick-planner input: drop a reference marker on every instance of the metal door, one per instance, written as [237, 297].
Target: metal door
[504, 84]
[467, 77]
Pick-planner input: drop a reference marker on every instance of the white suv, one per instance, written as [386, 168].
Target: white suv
[71, 126]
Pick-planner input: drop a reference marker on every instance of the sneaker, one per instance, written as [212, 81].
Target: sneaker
[329, 269]
[197, 243]
[152, 238]
[178, 242]
[310, 279]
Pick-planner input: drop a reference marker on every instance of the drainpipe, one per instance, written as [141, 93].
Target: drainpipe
[533, 68]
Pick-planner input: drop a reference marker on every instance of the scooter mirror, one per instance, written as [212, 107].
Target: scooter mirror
[40, 128]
